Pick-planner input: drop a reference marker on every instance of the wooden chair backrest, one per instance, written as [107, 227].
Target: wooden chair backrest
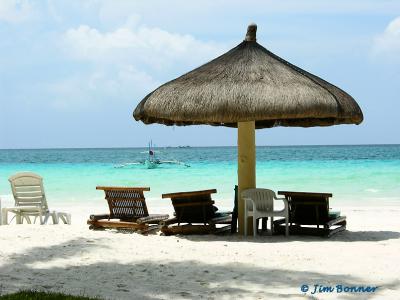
[28, 190]
[308, 208]
[126, 203]
[193, 207]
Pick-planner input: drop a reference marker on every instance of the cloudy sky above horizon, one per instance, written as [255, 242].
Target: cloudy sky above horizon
[71, 72]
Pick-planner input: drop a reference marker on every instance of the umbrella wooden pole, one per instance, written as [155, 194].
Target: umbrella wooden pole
[246, 167]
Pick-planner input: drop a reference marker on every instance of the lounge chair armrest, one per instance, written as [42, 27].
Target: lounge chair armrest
[336, 221]
[152, 218]
[221, 219]
[99, 217]
[285, 202]
[225, 212]
[169, 221]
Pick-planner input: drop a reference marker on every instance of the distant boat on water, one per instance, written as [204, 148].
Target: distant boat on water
[152, 161]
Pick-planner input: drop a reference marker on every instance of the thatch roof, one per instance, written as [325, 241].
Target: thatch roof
[249, 83]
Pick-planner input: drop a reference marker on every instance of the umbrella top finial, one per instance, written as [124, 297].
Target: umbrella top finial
[251, 33]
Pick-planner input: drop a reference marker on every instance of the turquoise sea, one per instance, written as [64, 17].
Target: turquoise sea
[367, 174]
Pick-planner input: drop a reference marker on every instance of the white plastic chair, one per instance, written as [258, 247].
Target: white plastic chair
[259, 203]
[30, 200]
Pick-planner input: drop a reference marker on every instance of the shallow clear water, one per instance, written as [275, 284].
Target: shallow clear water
[354, 174]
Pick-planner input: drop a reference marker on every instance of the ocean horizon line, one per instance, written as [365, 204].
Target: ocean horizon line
[190, 146]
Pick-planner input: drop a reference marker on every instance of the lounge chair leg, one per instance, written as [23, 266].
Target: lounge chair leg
[46, 218]
[264, 223]
[254, 226]
[18, 219]
[287, 226]
[54, 217]
[245, 222]
[42, 219]
[67, 219]
[272, 225]
[4, 216]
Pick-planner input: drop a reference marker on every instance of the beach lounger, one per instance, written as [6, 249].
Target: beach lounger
[195, 213]
[30, 201]
[309, 214]
[128, 211]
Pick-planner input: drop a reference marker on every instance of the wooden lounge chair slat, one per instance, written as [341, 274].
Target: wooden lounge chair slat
[116, 188]
[189, 194]
[115, 224]
[288, 193]
[207, 203]
[123, 199]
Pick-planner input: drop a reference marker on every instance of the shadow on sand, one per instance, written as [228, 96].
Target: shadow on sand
[345, 236]
[40, 269]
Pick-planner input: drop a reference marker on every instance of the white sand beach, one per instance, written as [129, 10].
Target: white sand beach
[111, 265]
[200, 108]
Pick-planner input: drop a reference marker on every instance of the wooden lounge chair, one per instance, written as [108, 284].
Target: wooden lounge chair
[197, 212]
[128, 211]
[309, 214]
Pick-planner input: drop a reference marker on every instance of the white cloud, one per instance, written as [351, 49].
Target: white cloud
[389, 41]
[125, 63]
[153, 47]
[15, 11]
[114, 84]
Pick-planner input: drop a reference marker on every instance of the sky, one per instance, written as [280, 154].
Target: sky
[72, 72]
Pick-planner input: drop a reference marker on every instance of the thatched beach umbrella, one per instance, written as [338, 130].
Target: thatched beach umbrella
[248, 87]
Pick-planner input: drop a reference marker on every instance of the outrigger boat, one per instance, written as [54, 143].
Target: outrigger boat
[152, 162]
